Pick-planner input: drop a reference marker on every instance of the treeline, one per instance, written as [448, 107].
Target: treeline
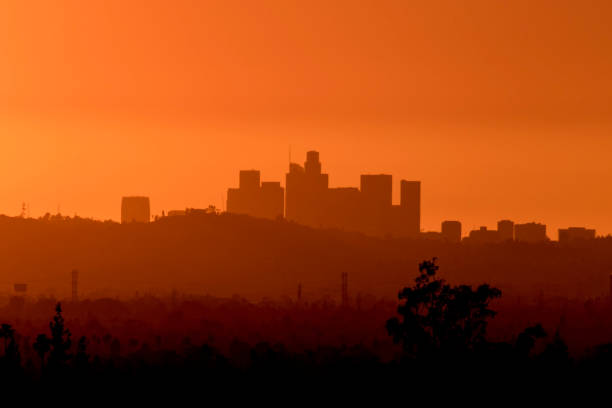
[438, 329]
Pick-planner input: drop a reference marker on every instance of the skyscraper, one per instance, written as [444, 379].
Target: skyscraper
[306, 195]
[249, 180]
[451, 231]
[376, 196]
[377, 190]
[369, 209]
[410, 199]
[344, 209]
[272, 200]
[506, 230]
[263, 200]
[135, 209]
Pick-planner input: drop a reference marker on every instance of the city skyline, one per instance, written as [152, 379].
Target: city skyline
[516, 124]
[368, 209]
[430, 226]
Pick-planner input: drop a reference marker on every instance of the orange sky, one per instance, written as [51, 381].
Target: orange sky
[502, 108]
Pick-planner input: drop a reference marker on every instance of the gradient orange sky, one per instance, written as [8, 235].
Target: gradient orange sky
[502, 108]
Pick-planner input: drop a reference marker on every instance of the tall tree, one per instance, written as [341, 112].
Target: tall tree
[42, 345]
[60, 340]
[436, 317]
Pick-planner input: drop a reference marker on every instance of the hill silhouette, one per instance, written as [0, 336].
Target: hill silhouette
[226, 254]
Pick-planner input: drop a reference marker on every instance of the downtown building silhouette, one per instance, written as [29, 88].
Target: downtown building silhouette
[531, 232]
[135, 209]
[451, 231]
[254, 198]
[368, 209]
[308, 200]
[575, 234]
[507, 231]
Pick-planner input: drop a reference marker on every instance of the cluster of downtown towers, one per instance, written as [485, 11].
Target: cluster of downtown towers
[309, 200]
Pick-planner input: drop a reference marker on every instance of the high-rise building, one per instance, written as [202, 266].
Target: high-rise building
[451, 231]
[506, 230]
[531, 232]
[344, 209]
[249, 180]
[410, 199]
[312, 164]
[305, 200]
[574, 234]
[370, 209]
[135, 209]
[376, 197]
[398, 222]
[262, 200]
[272, 203]
[246, 198]
[377, 190]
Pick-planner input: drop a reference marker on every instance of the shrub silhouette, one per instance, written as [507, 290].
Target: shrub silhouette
[436, 317]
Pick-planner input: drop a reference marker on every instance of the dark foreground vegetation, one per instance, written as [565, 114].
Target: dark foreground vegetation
[438, 329]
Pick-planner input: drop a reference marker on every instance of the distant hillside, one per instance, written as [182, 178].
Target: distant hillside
[226, 254]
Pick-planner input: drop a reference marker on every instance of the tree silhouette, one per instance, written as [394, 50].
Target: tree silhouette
[437, 317]
[12, 357]
[81, 358]
[6, 333]
[556, 354]
[527, 339]
[42, 345]
[60, 340]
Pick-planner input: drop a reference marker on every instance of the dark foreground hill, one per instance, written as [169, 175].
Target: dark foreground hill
[222, 255]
